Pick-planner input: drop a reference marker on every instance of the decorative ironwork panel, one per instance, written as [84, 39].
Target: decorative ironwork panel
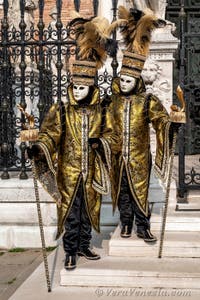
[173, 3]
[188, 4]
[186, 16]
[193, 3]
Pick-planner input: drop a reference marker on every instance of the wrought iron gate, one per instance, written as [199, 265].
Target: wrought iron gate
[34, 71]
[186, 15]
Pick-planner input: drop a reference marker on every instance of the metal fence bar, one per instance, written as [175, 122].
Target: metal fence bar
[22, 66]
[59, 63]
[5, 96]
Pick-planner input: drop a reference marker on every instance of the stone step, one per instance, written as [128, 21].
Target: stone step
[188, 206]
[176, 244]
[178, 221]
[134, 272]
[193, 195]
[192, 203]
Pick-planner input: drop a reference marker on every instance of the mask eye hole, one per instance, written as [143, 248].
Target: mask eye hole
[75, 87]
[82, 88]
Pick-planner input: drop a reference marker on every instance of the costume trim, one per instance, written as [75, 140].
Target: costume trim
[84, 143]
[47, 177]
[102, 188]
[102, 184]
[48, 157]
[126, 129]
[107, 152]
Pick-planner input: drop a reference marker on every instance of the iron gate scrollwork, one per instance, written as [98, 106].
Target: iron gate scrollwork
[186, 15]
[34, 71]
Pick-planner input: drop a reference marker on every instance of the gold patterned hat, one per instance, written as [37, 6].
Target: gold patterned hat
[136, 28]
[132, 64]
[92, 36]
[84, 72]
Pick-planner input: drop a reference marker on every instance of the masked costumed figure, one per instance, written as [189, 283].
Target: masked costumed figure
[70, 135]
[133, 110]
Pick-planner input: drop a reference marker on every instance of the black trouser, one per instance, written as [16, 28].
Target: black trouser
[129, 209]
[77, 234]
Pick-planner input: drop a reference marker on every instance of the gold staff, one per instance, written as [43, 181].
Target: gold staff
[29, 134]
[177, 115]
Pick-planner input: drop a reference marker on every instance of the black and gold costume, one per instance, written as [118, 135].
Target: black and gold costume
[131, 166]
[80, 176]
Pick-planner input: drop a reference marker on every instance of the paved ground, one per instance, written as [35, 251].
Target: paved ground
[15, 268]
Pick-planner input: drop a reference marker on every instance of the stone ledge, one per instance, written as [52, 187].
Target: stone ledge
[25, 236]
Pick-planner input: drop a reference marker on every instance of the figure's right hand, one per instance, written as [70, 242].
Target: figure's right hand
[33, 152]
[94, 142]
[176, 126]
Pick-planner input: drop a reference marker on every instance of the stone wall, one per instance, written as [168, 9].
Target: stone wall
[19, 219]
[86, 9]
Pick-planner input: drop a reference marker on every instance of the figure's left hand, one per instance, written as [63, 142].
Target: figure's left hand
[176, 126]
[59, 203]
[33, 152]
[94, 143]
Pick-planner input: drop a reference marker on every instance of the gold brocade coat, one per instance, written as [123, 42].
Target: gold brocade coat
[132, 115]
[75, 159]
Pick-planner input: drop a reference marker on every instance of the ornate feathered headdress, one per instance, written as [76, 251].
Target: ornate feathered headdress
[136, 28]
[92, 36]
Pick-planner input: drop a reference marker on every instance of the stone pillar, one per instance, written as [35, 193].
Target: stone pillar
[157, 6]
[105, 8]
[158, 70]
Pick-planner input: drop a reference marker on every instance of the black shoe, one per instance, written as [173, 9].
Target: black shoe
[87, 253]
[146, 235]
[70, 262]
[126, 231]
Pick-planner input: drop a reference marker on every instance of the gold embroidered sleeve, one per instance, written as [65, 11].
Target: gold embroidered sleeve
[157, 113]
[51, 129]
[161, 123]
[112, 131]
[49, 138]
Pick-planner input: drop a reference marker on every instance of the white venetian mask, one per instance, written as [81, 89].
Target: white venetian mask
[80, 91]
[127, 83]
